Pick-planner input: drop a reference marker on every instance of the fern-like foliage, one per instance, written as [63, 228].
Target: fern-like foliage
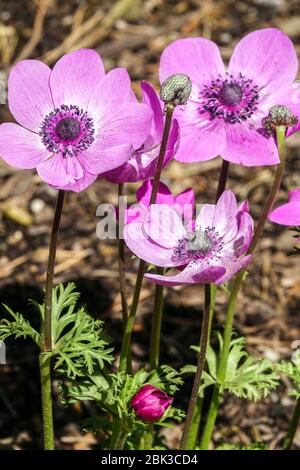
[114, 393]
[18, 327]
[246, 376]
[80, 345]
[292, 370]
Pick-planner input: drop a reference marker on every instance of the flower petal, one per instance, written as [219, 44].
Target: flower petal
[29, 95]
[63, 172]
[128, 124]
[21, 148]
[138, 242]
[287, 214]
[111, 92]
[267, 56]
[234, 268]
[75, 76]
[96, 160]
[164, 195]
[200, 138]
[294, 195]
[248, 147]
[164, 226]
[225, 212]
[81, 184]
[150, 98]
[199, 58]
[193, 273]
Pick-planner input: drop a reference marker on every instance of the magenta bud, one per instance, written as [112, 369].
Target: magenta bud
[150, 403]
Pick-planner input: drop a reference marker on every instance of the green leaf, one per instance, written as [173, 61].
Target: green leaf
[19, 327]
[292, 370]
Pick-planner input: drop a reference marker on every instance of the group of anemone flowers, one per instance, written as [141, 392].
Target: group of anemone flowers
[76, 123]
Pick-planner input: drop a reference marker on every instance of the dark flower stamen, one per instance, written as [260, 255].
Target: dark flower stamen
[67, 130]
[200, 245]
[232, 99]
[231, 94]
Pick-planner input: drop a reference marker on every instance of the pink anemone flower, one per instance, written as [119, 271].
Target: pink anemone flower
[142, 163]
[213, 252]
[75, 121]
[225, 112]
[183, 203]
[289, 213]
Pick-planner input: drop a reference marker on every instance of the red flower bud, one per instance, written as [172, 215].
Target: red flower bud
[150, 403]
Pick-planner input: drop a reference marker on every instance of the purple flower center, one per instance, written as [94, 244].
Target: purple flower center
[232, 99]
[67, 130]
[199, 245]
[231, 94]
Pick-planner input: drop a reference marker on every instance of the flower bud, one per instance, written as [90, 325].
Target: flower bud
[150, 403]
[279, 115]
[176, 89]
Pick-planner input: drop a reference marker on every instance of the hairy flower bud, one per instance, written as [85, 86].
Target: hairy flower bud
[150, 403]
[279, 115]
[176, 89]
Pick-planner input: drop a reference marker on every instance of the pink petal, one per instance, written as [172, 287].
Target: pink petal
[199, 58]
[193, 273]
[164, 226]
[233, 269]
[81, 184]
[75, 77]
[96, 160]
[150, 98]
[246, 146]
[200, 138]
[29, 95]
[287, 214]
[267, 56]
[21, 148]
[294, 195]
[111, 91]
[244, 235]
[59, 171]
[138, 242]
[206, 217]
[128, 124]
[225, 212]
[164, 195]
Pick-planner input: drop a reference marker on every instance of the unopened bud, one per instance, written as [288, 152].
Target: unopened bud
[150, 403]
[279, 115]
[176, 89]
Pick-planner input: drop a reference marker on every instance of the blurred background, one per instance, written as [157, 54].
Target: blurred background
[132, 34]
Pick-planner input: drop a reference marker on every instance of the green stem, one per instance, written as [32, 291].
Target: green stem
[292, 427]
[187, 432]
[122, 264]
[194, 433]
[236, 286]
[47, 327]
[45, 372]
[209, 293]
[125, 349]
[156, 322]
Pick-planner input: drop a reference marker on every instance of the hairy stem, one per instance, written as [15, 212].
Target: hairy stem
[45, 373]
[198, 375]
[156, 323]
[122, 263]
[47, 330]
[236, 286]
[125, 350]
